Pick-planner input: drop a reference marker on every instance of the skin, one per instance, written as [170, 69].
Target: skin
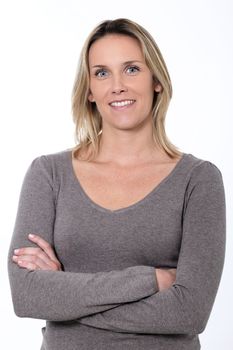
[124, 76]
[118, 72]
[41, 258]
[121, 74]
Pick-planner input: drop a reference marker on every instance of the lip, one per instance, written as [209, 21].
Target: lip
[132, 102]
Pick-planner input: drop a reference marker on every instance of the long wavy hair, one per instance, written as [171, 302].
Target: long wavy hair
[87, 119]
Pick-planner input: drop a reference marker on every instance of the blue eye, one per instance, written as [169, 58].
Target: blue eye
[132, 69]
[101, 73]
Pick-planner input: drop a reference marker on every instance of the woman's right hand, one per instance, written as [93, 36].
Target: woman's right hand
[165, 278]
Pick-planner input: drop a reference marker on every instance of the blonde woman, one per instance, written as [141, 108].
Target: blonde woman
[119, 242]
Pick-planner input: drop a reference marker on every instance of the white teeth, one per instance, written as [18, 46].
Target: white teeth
[122, 103]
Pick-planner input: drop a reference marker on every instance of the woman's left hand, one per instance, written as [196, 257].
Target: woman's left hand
[37, 258]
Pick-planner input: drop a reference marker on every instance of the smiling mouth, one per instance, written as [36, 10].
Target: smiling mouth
[122, 103]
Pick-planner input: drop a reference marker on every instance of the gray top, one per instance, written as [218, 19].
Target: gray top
[107, 297]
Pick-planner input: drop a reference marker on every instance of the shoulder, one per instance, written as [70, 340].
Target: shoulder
[52, 160]
[204, 187]
[56, 157]
[49, 166]
[202, 170]
[204, 178]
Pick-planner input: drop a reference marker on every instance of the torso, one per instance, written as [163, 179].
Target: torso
[113, 187]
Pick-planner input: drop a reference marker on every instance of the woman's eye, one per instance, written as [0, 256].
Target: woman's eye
[101, 73]
[132, 69]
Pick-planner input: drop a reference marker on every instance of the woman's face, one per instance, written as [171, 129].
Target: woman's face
[121, 84]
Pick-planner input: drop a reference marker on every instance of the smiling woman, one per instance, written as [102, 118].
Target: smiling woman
[126, 228]
[122, 87]
[141, 56]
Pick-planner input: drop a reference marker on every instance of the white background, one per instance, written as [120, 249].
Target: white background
[40, 43]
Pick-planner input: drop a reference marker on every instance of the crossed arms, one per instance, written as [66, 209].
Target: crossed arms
[127, 300]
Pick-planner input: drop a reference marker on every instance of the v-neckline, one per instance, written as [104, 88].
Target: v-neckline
[131, 206]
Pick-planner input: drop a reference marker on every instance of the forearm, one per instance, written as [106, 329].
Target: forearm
[185, 307]
[62, 296]
[43, 258]
[182, 309]
[57, 295]
[169, 312]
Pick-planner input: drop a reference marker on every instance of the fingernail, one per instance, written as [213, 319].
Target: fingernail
[16, 251]
[31, 235]
[14, 257]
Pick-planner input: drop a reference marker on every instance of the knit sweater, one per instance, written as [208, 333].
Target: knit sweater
[107, 296]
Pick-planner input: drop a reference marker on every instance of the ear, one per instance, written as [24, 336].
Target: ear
[158, 87]
[91, 98]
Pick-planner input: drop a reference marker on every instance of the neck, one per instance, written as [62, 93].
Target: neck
[125, 147]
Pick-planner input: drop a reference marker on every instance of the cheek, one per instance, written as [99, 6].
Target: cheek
[98, 92]
[144, 85]
[148, 100]
[147, 91]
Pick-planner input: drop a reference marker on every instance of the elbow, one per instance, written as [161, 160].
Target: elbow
[194, 325]
[194, 320]
[192, 313]
[19, 312]
[22, 304]
[186, 324]
[23, 307]
[20, 308]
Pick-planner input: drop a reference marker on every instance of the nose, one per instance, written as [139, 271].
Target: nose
[118, 85]
[118, 91]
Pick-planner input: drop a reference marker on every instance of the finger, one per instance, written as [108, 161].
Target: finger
[27, 265]
[31, 260]
[34, 263]
[173, 271]
[28, 251]
[37, 252]
[43, 244]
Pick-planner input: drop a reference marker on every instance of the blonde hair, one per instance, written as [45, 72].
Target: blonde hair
[87, 119]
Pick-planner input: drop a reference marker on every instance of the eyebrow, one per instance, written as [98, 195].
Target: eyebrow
[123, 64]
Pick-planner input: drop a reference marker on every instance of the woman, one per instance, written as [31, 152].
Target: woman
[127, 233]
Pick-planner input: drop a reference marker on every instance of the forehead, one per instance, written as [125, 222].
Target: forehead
[114, 48]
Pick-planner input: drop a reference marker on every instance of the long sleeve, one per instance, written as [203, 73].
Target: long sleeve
[185, 307]
[59, 295]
